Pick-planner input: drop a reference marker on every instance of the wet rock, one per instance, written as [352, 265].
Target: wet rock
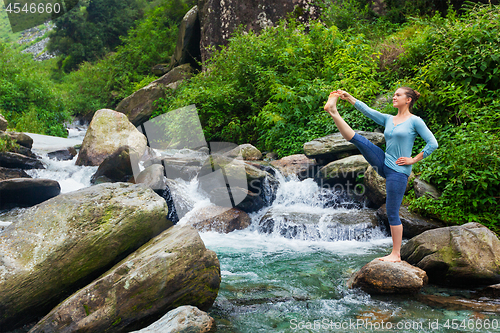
[330, 147]
[252, 202]
[339, 171]
[6, 173]
[62, 244]
[219, 219]
[18, 161]
[299, 165]
[413, 224]
[23, 192]
[492, 291]
[187, 50]
[139, 107]
[423, 188]
[466, 255]
[153, 177]
[3, 123]
[185, 168]
[246, 151]
[116, 167]
[185, 318]
[22, 139]
[63, 154]
[172, 269]
[457, 303]
[108, 131]
[382, 277]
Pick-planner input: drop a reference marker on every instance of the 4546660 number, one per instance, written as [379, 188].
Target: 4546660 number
[33, 8]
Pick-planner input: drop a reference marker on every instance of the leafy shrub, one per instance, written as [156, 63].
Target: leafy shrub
[7, 144]
[27, 95]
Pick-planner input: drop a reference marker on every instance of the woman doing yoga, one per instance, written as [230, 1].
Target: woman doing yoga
[395, 164]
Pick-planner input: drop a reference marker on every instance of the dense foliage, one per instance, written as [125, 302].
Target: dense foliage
[105, 83]
[27, 97]
[91, 29]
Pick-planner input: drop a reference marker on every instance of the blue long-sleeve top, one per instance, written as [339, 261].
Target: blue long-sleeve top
[399, 139]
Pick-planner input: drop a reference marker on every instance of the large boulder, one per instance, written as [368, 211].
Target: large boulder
[413, 224]
[139, 106]
[172, 269]
[116, 167]
[62, 244]
[22, 139]
[383, 277]
[187, 50]
[247, 151]
[19, 161]
[334, 146]
[219, 19]
[299, 165]
[6, 173]
[153, 177]
[343, 170]
[219, 219]
[108, 131]
[466, 255]
[23, 192]
[184, 319]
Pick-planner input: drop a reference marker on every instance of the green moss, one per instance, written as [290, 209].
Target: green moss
[448, 255]
[87, 310]
[117, 321]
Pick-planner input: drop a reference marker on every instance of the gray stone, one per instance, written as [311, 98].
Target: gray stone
[152, 177]
[116, 167]
[3, 123]
[347, 168]
[466, 255]
[160, 69]
[329, 147]
[219, 219]
[383, 277]
[247, 151]
[23, 192]
[18, 161]
[172, 269]
[299, 165]
[108, 131]
[58, 246]
[184, 319]
[6, 173]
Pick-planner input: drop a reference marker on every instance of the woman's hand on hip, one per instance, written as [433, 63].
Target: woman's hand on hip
[405, 161]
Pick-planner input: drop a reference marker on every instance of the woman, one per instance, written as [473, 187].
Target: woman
[395, 164]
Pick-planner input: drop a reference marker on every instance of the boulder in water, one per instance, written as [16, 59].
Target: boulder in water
[247, 152]
[108, 131]
[185, 318]
[382, 277]
[23, 192]
[466, 255]
[299, 165]
[7, 173]
[63, 154]
[172, 269]
[58, 246]
[116, 167]
[18, 161]
[153, 177]
[455, 303]
[219, 219]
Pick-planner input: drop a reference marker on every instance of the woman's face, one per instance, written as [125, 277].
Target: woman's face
[400, 99]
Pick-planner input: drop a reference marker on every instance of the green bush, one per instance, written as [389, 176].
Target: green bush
[27, 95]
[8, 145]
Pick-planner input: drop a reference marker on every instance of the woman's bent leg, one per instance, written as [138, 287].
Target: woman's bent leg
[372, 153]
[395, 185]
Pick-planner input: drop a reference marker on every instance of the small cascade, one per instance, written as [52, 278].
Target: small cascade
[304, 211]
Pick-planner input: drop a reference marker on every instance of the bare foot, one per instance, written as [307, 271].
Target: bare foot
[391, 257]
[331, 104]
